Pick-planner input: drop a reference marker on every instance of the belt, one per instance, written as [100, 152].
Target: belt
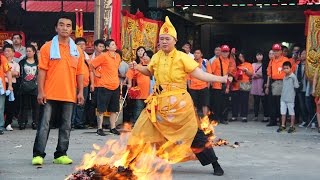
[153, 101]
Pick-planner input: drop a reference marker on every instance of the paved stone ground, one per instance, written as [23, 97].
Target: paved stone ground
[263, 154]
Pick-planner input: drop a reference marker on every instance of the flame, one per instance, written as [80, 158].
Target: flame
[104, 161]
[208, 127]
[152, 161]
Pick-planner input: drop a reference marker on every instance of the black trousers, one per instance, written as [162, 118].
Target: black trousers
[90, 110]
[28, 102]
[206, 155]
[218, 104]
[256, 108]
[275, 109]
[301, 105]
[128, 107]
[12, 107]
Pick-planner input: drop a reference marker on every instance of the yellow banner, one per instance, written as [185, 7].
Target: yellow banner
[313, 49]
[137, 31]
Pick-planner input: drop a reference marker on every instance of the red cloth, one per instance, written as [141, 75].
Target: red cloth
[116, 25]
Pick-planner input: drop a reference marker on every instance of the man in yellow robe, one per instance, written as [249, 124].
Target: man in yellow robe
[169, 118]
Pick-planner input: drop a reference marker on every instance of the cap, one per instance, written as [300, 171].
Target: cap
[9, 41]
[225, 48]
[276, 47]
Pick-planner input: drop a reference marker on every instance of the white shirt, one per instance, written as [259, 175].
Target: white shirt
[191, 55]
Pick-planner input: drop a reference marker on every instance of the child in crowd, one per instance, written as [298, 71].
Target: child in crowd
[290, 83]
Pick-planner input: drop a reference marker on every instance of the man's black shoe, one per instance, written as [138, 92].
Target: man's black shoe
[100, 132]
[22, 126]
[272, 124]
[1, 132]
[115, 131]
[218, 171]
[34, 126]
[224, 122]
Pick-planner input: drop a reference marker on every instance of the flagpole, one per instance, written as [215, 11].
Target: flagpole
[98, 4]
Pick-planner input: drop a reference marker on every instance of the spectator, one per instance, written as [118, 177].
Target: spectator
[142, 83]
[4, 69]
[310, 104]
[82, 43]
[127, 109]
[245, 70]
[290, 83]
[107, 88]
[275, 77]
[139, 54]
[36, 45]
[20, 51]
[301, 91]
[268, 96]
[61, 61]
[29, 88]
[219, 91]
[99, 47]
[199, 89]
[11, 106]
[187, 49]
[78, 120]
[217, 53]
[257, 88]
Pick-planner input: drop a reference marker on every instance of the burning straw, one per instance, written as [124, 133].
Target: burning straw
[106, 163]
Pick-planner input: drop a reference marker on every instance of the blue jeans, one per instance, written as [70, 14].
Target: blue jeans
[77, 116]
[139, 105]
[44, 128]
[2, 100]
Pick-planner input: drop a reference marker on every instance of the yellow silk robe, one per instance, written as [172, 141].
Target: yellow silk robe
[169, 117]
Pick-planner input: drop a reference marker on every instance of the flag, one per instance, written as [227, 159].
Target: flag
[115, 22]
[79, 24]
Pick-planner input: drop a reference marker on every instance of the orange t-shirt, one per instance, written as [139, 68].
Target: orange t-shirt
[143, 82]
[86, 75]
[61, 82]
[216, 70]
[4, 68]
[245, 77]
[275, 66]
[108, 66]
[197, 84]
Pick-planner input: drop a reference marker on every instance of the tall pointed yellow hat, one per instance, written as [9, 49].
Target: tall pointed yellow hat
[168, 28]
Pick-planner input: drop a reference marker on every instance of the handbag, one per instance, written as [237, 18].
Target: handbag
[276, 87]
[28, 86]
[245, 86]
[134, 92]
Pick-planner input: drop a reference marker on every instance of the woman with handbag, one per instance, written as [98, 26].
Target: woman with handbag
[29, 88]
[257, 88]
[245, 72]
[139, 86]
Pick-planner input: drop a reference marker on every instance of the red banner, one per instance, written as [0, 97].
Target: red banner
[4, 35]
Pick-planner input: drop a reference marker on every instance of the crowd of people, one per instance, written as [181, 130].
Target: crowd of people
[266, 78]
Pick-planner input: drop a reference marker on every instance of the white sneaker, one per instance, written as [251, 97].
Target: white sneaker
[9, 128]
[313, 125]
[302, 124]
